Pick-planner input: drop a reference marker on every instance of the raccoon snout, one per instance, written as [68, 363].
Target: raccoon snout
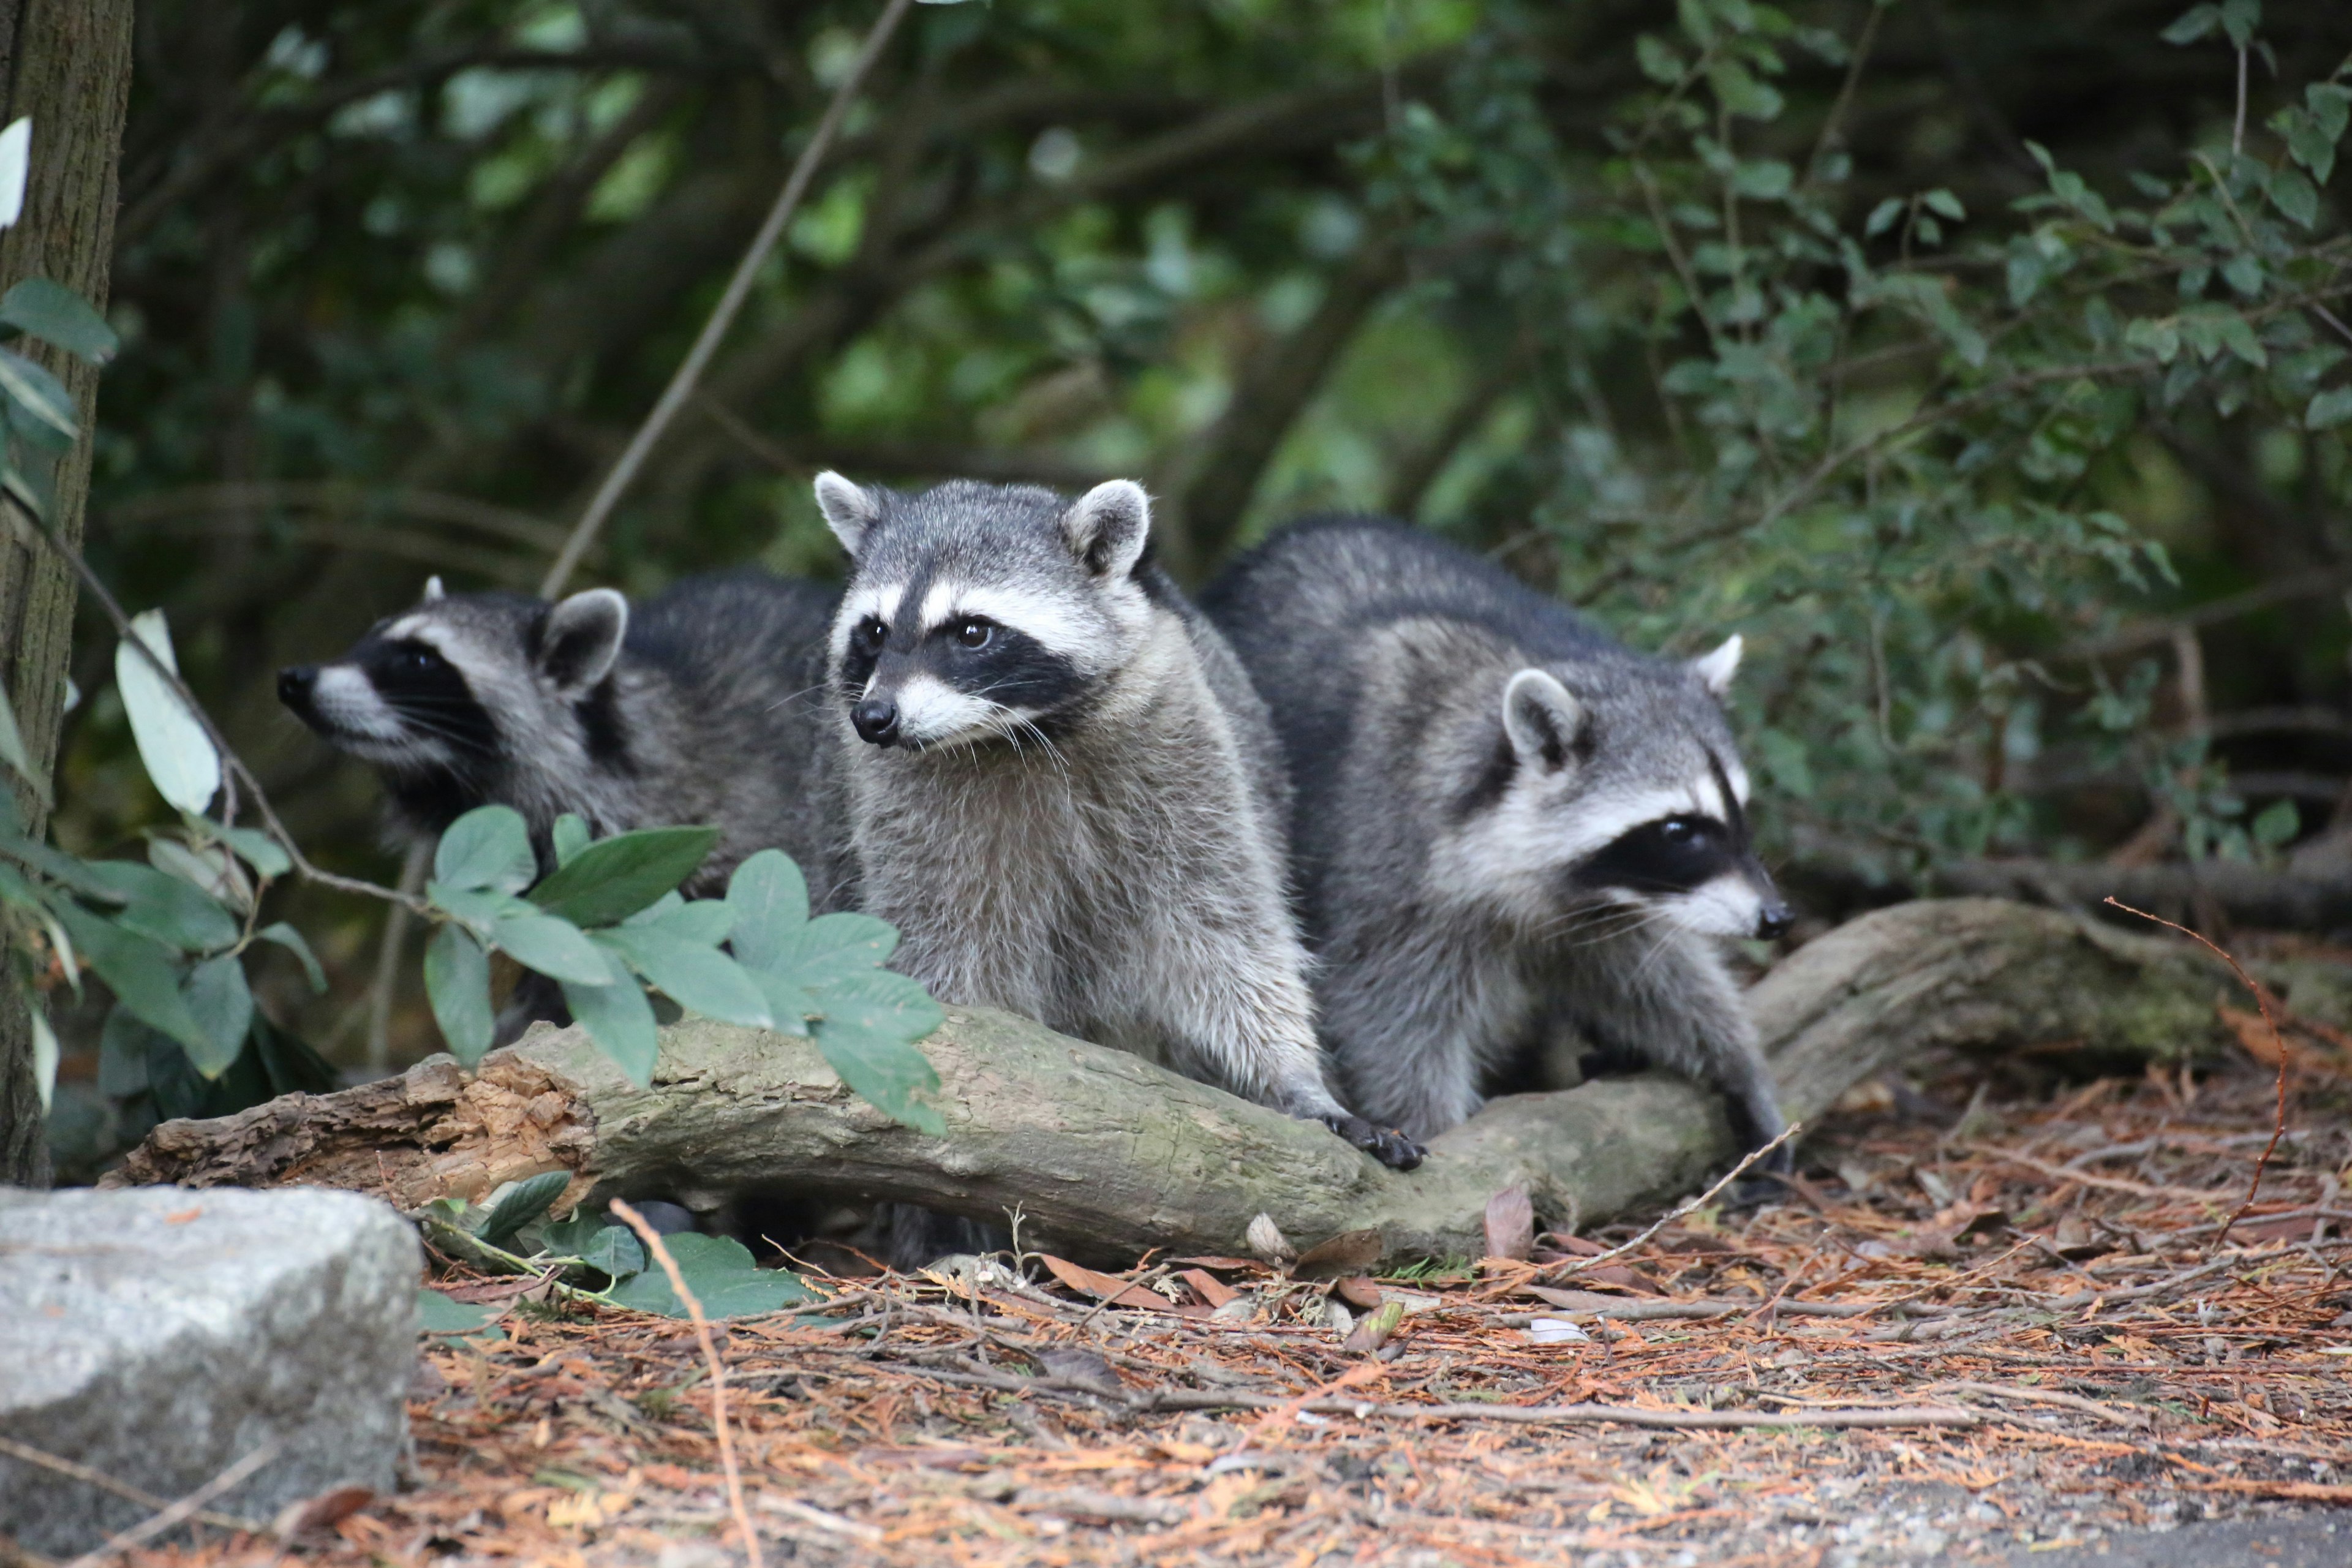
[875, 721]
[1773, 920]
[294, 685]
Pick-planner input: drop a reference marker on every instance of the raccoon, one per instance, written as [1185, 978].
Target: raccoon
[1507, 824]
[701, 706]
[1062, 789]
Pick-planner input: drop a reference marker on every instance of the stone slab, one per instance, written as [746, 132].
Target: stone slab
[159, 1334]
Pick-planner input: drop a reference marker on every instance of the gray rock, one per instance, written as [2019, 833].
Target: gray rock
[160, 1334]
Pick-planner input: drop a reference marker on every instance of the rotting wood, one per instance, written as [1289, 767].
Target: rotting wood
[1109, 1156]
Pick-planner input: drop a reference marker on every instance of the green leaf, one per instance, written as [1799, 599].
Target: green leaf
[619, 1019]
[831, 947]
[556, 948]
[178, 754]
[2243, 272]
[718, 1270]
[770, 898]
[524, 1202]
[2240, 18]
[457, 980]
[56, 314]
[571, 836]
[2330, 104]
[490, 846]
[287, 937]
[15, 161]
[2191, 25]
[45, 1055]
[1942, 201]
[2328, 409]
[2238, 337]
[478, 909]
[2277, 825]
[867, 1036]
[437, 1314]
[1741, 94]
[143, 974]
[1766, 180]
[693, 975]
[40, 395]
[1658, 62]
[2307, 142]
[12, 752]
[2294, 196]
[164, 907]
[791, 1005]
[222, 1005]
[252, 846]
[1882, 216]
[706, 923]
[2160, 338]
[610, 1249]
[615, 878]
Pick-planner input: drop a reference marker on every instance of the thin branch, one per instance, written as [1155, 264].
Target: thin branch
[187, 1507]
[1578, 1265]
[2278, 1041]
[722, 315]
[651, 1238]
[233, 763]
[29, 1455]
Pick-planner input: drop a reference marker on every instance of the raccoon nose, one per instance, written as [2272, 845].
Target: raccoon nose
[1773, 920]
[875, 721]
[294, 684]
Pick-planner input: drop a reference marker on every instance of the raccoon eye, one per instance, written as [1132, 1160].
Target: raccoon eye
[870, 633]
[1681, 830]
[416, 661]
[974, 632]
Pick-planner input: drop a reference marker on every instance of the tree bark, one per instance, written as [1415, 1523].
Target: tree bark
[1108, 1157]
[66, 65]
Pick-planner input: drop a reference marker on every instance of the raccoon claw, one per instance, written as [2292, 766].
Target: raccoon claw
[1390, 1147]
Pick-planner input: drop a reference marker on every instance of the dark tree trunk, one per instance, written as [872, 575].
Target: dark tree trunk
[66, 65]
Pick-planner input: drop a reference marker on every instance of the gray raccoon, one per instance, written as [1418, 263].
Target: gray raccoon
[1066, 797]
[699, 706]
[1505, 822]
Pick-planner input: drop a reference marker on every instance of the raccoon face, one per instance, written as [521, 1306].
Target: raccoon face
[976, 612]
[1633, 799]
[464, 683]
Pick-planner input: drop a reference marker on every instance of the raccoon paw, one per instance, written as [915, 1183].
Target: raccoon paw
[1390, 1147]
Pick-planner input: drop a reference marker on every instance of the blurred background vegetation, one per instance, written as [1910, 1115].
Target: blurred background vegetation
[2028, 492]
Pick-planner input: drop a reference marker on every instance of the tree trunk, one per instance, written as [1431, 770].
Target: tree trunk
[1108, 1157]
[66, 65]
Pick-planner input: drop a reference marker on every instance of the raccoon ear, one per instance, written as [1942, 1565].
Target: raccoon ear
[1542, 718]
[848, 511]
[433, 589]
[579, 640]
[1107, 527]
[1715, 669]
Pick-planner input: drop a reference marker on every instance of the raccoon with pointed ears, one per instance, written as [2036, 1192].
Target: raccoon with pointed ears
[700, 706]
[1506, 823]
[1062, 789]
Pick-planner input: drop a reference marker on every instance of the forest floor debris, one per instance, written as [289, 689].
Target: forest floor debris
[2030, 1286]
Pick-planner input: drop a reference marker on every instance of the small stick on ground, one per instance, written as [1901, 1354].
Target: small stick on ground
[2278, 1043]
[651, 1238]
[180, 1513]
[1568, 1266]
[29, 1455]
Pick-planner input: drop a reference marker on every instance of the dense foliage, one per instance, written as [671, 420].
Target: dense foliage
[1955, 355]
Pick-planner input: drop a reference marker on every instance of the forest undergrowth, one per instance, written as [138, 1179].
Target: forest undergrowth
[1995, 1311]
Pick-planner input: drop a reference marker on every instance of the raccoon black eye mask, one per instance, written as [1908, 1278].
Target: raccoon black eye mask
[1508, 825]
[1049, 757]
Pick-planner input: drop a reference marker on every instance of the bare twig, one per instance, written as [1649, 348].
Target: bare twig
[1567, 1266]
[26, 1453]
[186, 1508]
[387, 958]
[230, 760]
[651, 1238]
[2278, 1041]
[722, 315]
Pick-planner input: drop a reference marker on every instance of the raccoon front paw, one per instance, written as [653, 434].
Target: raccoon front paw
[1387, 1145]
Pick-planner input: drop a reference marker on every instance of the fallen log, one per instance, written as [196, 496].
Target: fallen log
[1108, 1157]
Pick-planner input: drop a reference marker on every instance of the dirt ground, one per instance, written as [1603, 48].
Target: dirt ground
[2023, 1276]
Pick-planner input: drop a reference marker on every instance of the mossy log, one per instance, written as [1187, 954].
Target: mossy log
[1106, 1156]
